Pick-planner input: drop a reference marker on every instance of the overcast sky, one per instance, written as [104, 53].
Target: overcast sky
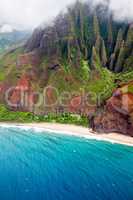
[31, 13]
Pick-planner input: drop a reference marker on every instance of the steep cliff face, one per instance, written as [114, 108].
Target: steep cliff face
[85, 33]
[77, 55]
[117, 115]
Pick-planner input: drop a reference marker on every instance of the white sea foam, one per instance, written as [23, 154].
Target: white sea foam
[62, 132]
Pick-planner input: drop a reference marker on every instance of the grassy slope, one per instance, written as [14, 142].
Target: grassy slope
[99, 81]
[8, 67]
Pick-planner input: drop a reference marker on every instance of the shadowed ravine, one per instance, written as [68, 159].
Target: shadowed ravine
[38, 166]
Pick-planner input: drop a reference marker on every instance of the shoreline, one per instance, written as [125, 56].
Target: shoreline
[74, 130]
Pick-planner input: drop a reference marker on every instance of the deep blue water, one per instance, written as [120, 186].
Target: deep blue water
[38, 166]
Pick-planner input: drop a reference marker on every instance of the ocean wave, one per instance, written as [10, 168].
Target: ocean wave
[60, 132]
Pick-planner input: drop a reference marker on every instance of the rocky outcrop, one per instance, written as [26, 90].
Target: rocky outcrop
[117, 115]
[21, 97]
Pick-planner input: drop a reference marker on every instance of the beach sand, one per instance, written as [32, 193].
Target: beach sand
[74, 130]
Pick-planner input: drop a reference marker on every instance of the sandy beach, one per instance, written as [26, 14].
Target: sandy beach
[74, 130]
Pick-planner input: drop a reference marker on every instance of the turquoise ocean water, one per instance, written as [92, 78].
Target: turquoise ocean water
[38, 166]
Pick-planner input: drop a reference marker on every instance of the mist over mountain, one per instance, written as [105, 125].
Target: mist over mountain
[6, 28]
[83, 31]
[85, 51]
[28, 14]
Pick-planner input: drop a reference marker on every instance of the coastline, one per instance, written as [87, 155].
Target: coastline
[74, 130]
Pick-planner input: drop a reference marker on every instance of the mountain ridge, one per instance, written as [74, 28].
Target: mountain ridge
[84, 52]
[8, 39]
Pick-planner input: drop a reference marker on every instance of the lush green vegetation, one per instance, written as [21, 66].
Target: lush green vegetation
[27, 117]
[124, 77]
[80, 61]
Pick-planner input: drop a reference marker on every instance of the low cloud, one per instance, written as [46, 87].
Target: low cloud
[28, 14]
[122, 9]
